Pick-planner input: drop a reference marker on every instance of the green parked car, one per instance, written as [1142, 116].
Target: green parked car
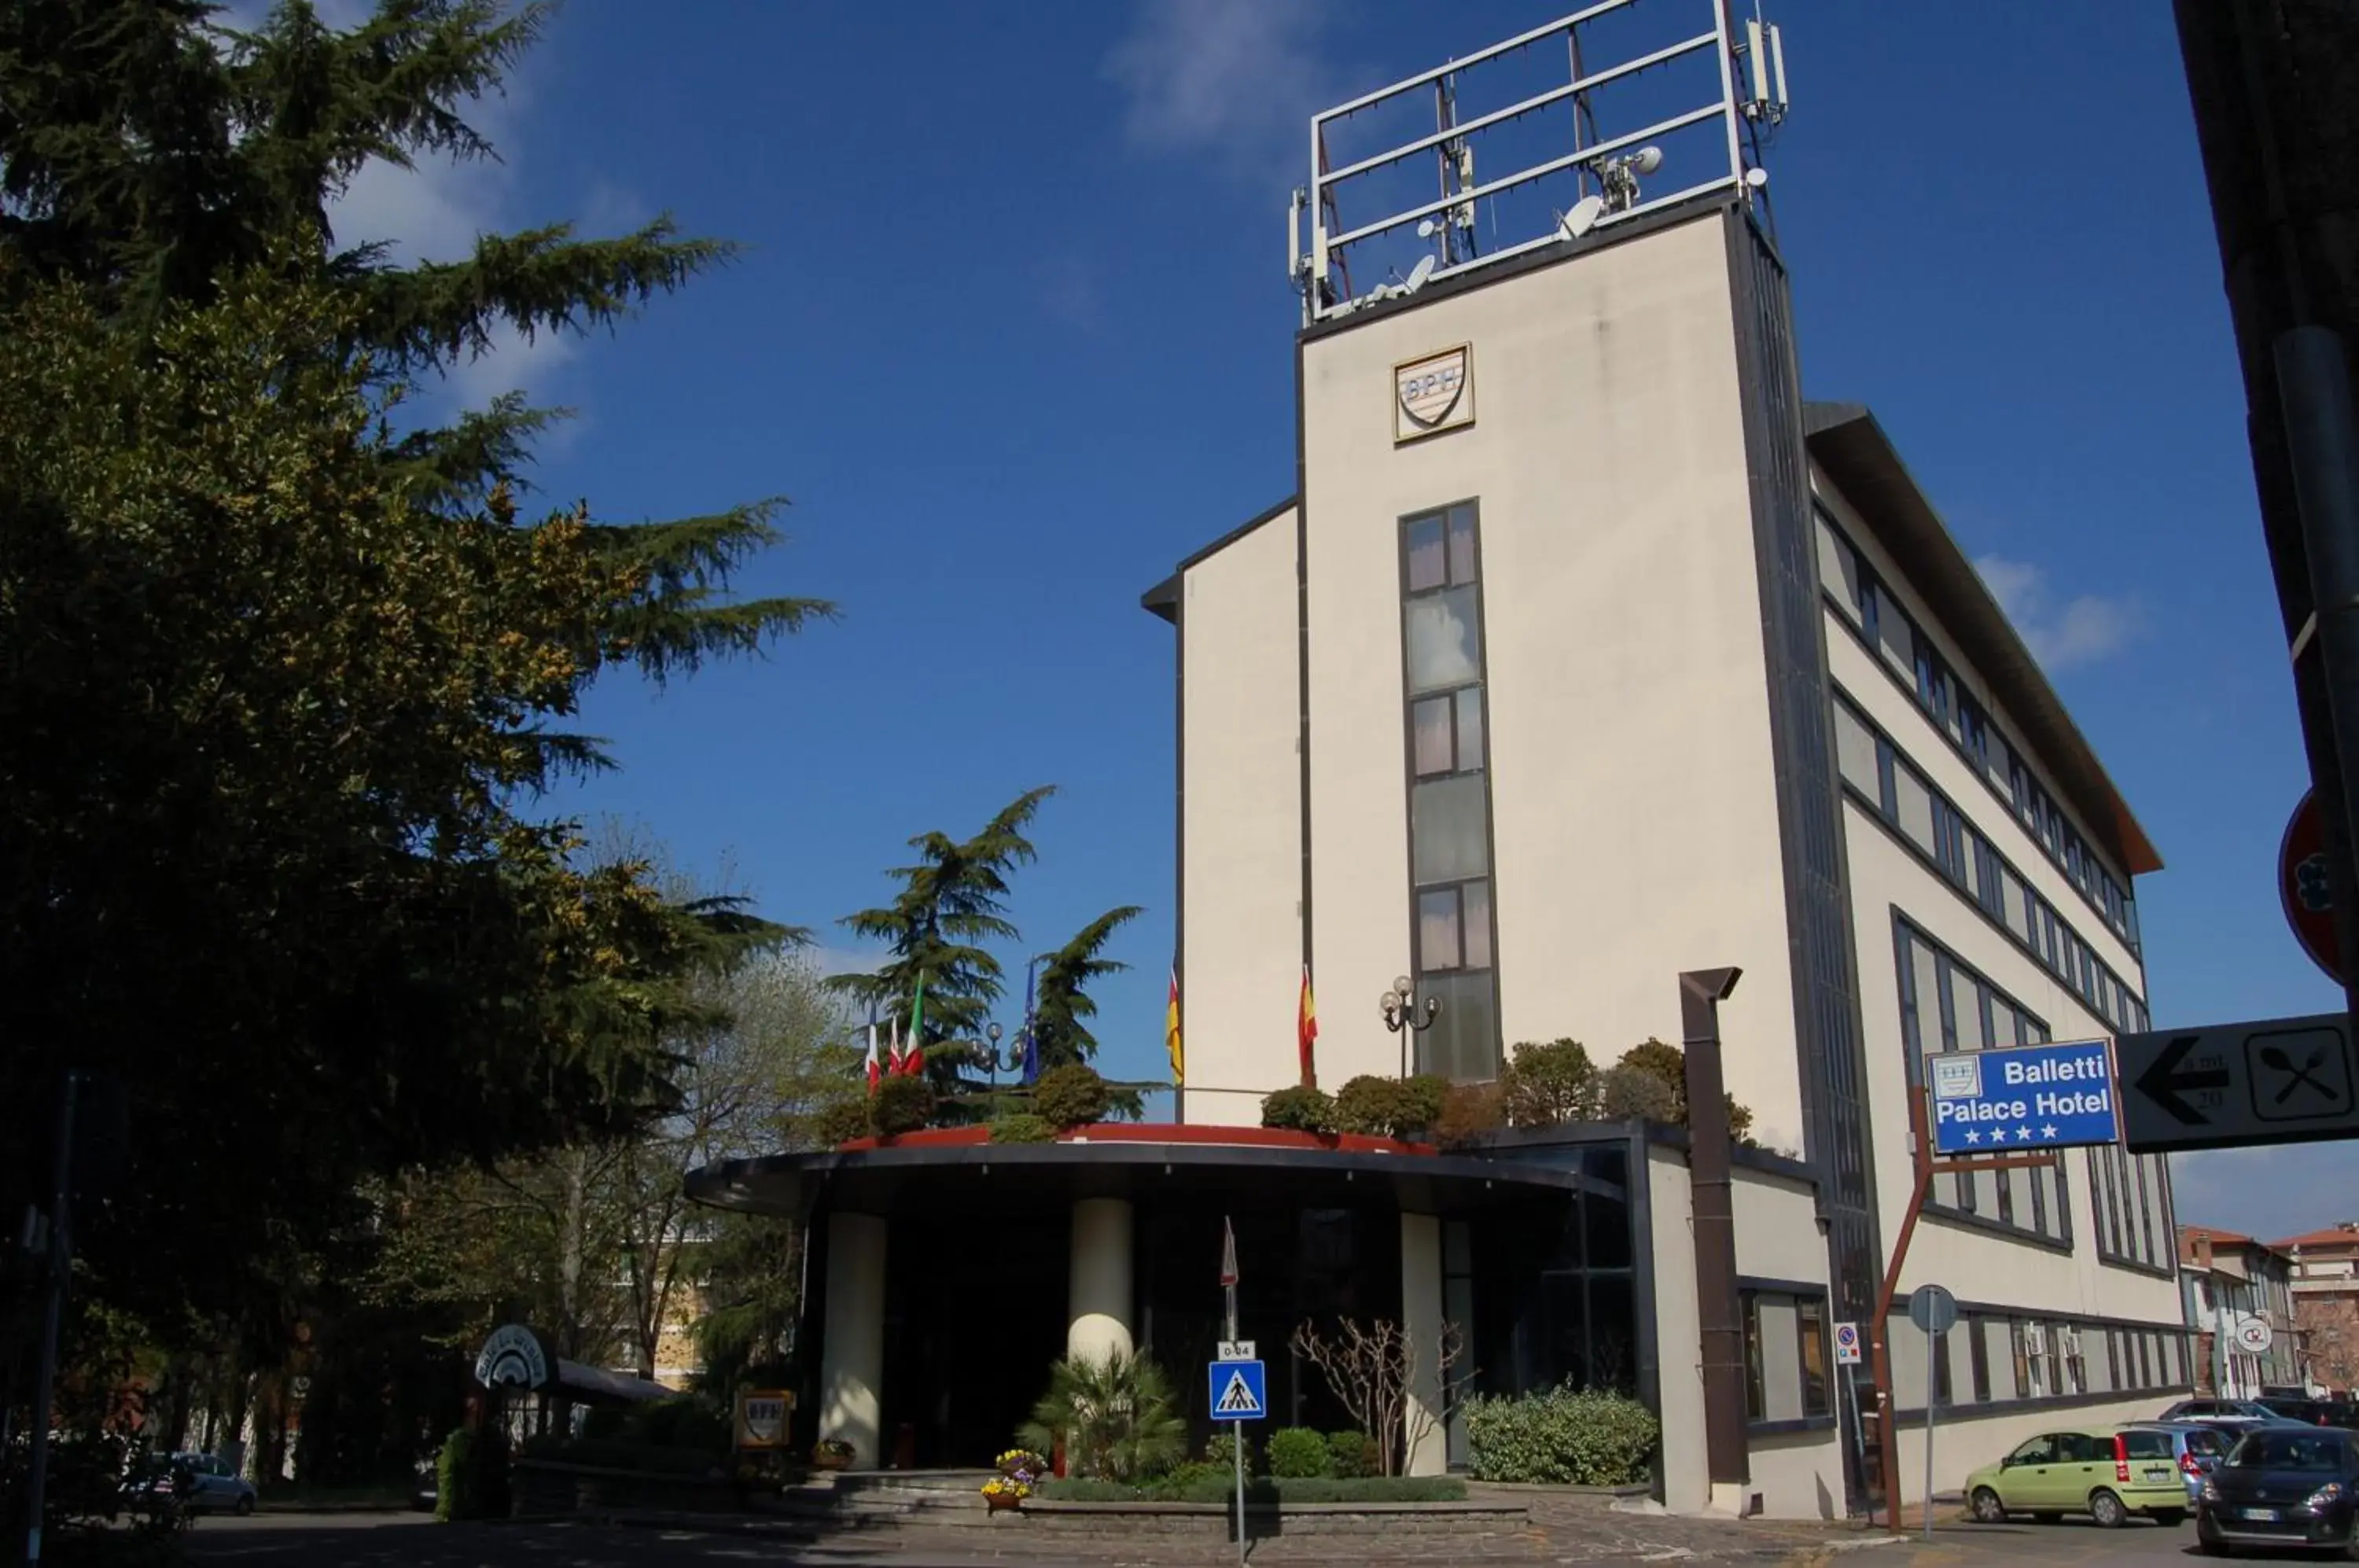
[2106, 1472]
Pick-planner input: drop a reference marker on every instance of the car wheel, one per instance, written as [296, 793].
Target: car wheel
[2170, 1519]
[2107, 1509]
[244, 1506]
[1989, 1509]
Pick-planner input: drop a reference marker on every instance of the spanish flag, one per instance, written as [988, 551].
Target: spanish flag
[1305, 1032]
[1171, 1031]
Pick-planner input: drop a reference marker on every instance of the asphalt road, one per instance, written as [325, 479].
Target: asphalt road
[414, 1540]
[2070, 1543]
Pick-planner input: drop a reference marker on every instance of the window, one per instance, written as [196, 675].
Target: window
[1785, 1355]
[1452, 931]
[1869, 608]
[1932, 823]
[1946, 1007]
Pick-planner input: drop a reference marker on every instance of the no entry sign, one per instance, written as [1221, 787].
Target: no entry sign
[2302, 887]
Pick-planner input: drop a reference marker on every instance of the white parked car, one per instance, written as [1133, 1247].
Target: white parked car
[216, 1489]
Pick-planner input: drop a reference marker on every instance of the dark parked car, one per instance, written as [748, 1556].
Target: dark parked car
[2221, 1413]
[2279, 1487]
[2311, 1412]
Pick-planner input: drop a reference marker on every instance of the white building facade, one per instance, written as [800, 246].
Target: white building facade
[1631, 662]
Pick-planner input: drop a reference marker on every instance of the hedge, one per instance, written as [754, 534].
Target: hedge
[1563, 1437]
[1219, 1488]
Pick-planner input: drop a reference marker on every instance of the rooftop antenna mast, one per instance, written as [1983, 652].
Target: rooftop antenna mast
[1585, 118]
[1456, 159]
[1761, 77]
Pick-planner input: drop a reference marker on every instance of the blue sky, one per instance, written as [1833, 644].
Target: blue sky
[1013, 333]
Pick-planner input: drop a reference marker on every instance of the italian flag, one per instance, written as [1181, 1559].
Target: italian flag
[913, 1060]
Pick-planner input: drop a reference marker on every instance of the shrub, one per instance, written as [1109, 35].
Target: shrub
[1299, 1108]
[1586, 1437]
[1422, 1097]
[1469, 1111]
[1625, 1092]
[471, 1475]
[1116, 1416]
[687, 1422]
[1220, 1453]
[1071, 1095]
[1021, 1126]
[1220, 1486]
[1670, 1064]
[1551, 1084]
[1352, 1454]
[838, 1124]
[900, 1105]
[615, 1454]
[1296, 1452]
[1369, 1105]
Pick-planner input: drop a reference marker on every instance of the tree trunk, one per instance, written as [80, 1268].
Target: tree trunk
[569, 1271]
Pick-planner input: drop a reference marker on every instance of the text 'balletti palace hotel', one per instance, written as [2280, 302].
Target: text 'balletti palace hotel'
[1586, 653]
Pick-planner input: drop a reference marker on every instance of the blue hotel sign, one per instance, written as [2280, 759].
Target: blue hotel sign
[2039, 1097]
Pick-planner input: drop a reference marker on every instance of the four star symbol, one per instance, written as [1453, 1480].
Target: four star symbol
[1998, 1135]
[2048, 1132]
[1972, 1136]
[2023, 1135]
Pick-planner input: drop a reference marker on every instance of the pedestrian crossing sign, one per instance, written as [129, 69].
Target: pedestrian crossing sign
[1239, 1391]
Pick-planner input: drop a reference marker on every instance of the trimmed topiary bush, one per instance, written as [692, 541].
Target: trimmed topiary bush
[1220, 1486]
[900, 1106]
[1564, 1437]
[1071, 1095]
[1022, 1126]
[1296, 1452]
[1300, 1109]
[1422, 1096]
[1469, 1113]
[1625, 1092]
[1550, 1084]
[1369, 1105]
[839, 1123]
[1352, 1454]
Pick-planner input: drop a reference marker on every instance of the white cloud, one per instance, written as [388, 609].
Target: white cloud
[1239, 78]
[2079, 630]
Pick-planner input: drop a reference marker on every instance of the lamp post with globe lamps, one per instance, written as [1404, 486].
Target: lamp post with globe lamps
[1407, 1016]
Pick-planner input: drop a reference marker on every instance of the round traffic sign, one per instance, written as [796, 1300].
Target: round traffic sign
[2254, 1335]
[2303, 889]
[1932, 1308]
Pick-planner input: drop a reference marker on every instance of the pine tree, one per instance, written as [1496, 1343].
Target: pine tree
[953, 899]
[1058, 1019]
[278, 683]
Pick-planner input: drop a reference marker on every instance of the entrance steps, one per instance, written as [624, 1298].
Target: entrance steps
[868, 1497]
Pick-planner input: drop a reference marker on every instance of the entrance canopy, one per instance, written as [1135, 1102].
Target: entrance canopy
[515, 1357]
[957, 1169]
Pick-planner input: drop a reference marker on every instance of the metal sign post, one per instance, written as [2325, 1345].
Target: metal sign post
[1935, 1311]
[1236, 1430]
[1879, 1331]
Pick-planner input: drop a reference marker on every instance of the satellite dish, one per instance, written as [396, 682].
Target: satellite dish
[1424, 229]
[1647, 161]
[1419, 274]
[1756, 176]
[1583, 218]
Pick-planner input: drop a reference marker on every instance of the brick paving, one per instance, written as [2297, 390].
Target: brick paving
[1562, 1528]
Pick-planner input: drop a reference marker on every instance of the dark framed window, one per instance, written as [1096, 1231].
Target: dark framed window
[1453, 926]
[1785, 1355]
[1887, 628]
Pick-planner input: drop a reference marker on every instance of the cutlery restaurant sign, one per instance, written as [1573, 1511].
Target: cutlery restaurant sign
[2037, 1097]
[2238, 1085]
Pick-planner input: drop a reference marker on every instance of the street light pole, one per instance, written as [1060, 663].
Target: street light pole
[1401, 1009]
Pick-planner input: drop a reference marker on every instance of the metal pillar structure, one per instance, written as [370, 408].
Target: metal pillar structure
[1719, 1307]
[1880, 1337]
[2272, 86]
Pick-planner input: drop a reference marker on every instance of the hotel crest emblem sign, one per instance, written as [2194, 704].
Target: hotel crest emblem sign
[1433, 394]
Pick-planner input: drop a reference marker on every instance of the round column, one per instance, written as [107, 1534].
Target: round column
[852, 1351]
[1100, 1296]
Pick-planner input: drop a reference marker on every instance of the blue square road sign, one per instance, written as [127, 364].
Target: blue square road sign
[1239, 1392]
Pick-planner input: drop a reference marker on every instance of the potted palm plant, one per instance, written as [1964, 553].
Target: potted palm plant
[1114, 1416]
